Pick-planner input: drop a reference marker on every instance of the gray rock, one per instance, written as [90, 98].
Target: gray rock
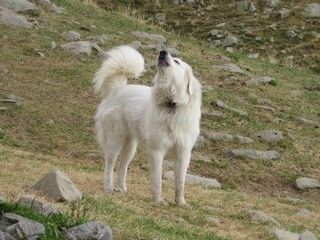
[71, 36]
[253, 55]
[11, 19]
[100, 39]
[294, 200]
[213, 220]
[257, 216]
[307, 235]
[20, 227]
[40, 207]
[242, 139]
[312, 10]
[212, 114]
[254, 154]
[192, 179]
[217, 43]
[284, 13]
[305, 183]
[5, 236]
[308, 121]
[230, 67]
[304, 213]
[20, 6]
[219, 136]
[91, 230]
[58, 186]
[214, 32]
[243, 5]
[153, 37]
[291, 33]
[270, 135]
[50, 6]
[78, 48]
[266, 108]
[281, 234]
[135, 44]
[239, 112]
[160, 17]
[199, 143]
[259, 80]
[230, 41]
[273, 3]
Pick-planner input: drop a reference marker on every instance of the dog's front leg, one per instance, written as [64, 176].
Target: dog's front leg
[156, 160]
[183, 155]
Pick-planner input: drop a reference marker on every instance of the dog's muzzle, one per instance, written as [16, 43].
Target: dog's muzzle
[171, 104]
[163, 59]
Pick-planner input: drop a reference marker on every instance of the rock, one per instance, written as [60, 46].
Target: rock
[312, 10]
[58, 186]
[273, 3]
[40, 207]
[50, 6]
[239, 112]
[257, 216]
[20, 6]
[135, 44]
[5, 236]
[21, 228]
[294, 200]
[305, 183]
[254, 154]
[230, 67]
[253, 55]
[242, 139]
[218, 136]
[304, 213]
[53, 45]
[200, 157]
[307, 235]
[78, 48]
[281, 234]
[71, 36]
[270, 135]
[230, 41]
[100, 39]
[291, 33]
[308, 121]
[199, 143]
[266, 108]
[173, 51]
[284, 13]
[11, 19]
[243, 6]
[212, 114]
[260, 80]
[214, 32]
[213, 220]
[91, 230]
[41, 54]
[217, 43]
[153, 37]
[160, 17]
[192, 179]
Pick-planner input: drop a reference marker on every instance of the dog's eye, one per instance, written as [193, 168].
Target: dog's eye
[176, 61]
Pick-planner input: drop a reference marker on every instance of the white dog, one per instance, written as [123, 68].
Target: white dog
[163, 117]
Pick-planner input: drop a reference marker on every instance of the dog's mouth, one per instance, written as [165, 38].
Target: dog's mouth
[163, 59]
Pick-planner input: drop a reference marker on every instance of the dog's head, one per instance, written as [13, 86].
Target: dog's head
[174, 83]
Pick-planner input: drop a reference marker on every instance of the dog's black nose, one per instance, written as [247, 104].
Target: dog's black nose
[163, 55]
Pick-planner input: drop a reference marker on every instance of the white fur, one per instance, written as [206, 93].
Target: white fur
[129, 114]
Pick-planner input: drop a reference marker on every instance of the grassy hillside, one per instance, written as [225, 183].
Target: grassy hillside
[53, 128]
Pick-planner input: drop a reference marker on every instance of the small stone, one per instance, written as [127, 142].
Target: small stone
[192, 179]
[214, 32]
[281, 234]
[20, 6]
[230, 41]
[11, 19]
[230, 67]
[294, 200]
[152, 37]
[217, 43]
[221, 25]
[90, 230]
[239, 112]
[53, 45]
[213, 220]
[307, 235]
[160, 17]
[212, 114]
[259, 80]
[58, 186]
[304, 213]
[242, 139]
[219, 136]
[305, 183]
[284, 13]
[265, 108]
[21, 228]
[308, 121]
[41, 54]
[273, 3]
[100, 39]
[71, 36]
[135, 44]
[291, 33]
[312, 10]
[40, 207]
[254, 154]
[253, 55]
[270, 135]
[78, 48]
[257, 216]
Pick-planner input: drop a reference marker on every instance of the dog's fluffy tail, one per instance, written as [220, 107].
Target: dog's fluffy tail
[121, 63]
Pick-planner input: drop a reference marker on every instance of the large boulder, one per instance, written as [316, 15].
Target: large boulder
[90, 230]
[78, 48]
[58, 186]
[20, 6]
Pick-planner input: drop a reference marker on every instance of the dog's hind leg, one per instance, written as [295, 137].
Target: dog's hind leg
[156, 161]
[126, 155]
[183, 155]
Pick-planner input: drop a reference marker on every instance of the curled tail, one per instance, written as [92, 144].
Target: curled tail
[121, 63]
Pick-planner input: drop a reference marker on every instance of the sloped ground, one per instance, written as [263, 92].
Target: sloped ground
[53, 129]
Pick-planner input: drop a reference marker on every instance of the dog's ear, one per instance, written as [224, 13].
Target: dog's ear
[190, 80]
